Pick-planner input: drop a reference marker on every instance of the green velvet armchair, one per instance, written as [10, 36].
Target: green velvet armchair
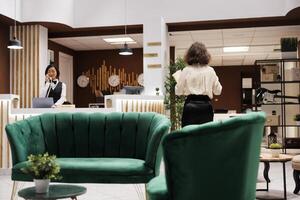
[217, 160]
[92, 147]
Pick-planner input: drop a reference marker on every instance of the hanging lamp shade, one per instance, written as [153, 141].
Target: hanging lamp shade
[125, 51]
[14, 44]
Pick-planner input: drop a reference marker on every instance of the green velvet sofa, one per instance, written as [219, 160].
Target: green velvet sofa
[217, 160]
[92, 147]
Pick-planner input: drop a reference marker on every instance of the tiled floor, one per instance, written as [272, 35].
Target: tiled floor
[128, 192]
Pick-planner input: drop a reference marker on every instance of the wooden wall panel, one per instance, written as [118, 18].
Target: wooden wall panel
[86, 61]
[4, 148]
[24, 65]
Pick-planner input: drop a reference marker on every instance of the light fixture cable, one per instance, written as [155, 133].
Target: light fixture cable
[14, 43]
[125, 18]
[125, 51]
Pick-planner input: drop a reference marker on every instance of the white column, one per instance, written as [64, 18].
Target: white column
[155, 31]
[43, 54]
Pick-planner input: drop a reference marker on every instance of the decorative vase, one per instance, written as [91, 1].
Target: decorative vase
[275, 153]
[41, 185]
[298, 123]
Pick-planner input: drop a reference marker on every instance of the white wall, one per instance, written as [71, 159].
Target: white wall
[83, 13]
[60, 11]
[7, 8]
[43, 54]
[155, 30]
[290, 4]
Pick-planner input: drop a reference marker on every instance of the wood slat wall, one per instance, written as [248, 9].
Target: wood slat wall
[99, 78]
[4, 147]
[24, 65]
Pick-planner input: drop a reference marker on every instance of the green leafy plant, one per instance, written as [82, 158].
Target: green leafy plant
[174, 103]
[297, 117]
[275, 146]
[42, 166]
[289, 44]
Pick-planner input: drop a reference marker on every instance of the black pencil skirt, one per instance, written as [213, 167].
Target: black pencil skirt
[197, 110]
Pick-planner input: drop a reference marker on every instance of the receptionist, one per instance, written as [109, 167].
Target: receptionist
[53, 87]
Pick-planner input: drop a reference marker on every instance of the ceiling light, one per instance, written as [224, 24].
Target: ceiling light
[235, 49]
[125, 51]
[15, 43]
[118, 39]
[117, 43]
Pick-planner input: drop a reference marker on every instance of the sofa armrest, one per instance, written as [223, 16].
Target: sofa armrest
[157, 189]
[17, 143]
[154, 148]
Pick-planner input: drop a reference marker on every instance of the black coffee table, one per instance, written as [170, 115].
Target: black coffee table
[55, 192]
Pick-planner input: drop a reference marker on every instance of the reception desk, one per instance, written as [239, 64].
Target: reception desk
[135, 103]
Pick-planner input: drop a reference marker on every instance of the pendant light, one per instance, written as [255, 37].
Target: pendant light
[15, 43]
[125, 51]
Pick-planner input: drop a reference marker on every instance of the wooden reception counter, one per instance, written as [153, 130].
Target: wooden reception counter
[135, 103]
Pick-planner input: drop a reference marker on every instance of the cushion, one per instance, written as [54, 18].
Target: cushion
[96, 170]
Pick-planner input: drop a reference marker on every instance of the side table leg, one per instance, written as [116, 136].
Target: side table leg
[74, 198]
[284, 179]
[296, 175]
[266, 173]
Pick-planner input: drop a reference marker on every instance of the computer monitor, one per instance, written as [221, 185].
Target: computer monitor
[133, 89]
[42, 102]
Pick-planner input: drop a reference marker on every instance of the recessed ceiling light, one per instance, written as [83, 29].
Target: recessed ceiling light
[118, 40]
[235, 49]
[116, 43]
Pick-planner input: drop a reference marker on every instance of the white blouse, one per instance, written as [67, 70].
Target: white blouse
[197, 80]
[63, 92]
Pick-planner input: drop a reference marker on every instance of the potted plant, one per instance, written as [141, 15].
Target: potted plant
[173, 102]
[275, 149]
[43, 168]
[289, 47]
[297, 119]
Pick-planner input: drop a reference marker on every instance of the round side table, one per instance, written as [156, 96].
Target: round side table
[55, 192]
[267, 159]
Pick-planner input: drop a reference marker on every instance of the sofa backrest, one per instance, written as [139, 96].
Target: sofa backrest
[217, 160]
[85, 134]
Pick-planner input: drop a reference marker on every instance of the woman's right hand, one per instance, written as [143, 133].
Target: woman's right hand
[47, 78]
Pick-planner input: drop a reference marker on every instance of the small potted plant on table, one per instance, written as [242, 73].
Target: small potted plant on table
[297, 119]
[275, 149]
[43, 168]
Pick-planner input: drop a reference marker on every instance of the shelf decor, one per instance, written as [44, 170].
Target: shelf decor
[272, 137]
[289, 47]
[282, 97]
[297, 119]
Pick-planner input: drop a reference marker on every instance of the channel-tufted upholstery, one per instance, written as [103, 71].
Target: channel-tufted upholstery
[212, 161]
[92, 147]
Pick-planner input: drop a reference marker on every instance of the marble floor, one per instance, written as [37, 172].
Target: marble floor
[128, 192]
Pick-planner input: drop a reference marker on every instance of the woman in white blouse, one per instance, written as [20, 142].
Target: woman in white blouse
[53, 87]
[199, 83]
